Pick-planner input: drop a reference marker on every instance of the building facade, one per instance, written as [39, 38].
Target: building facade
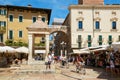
[15, 19]
[93, 25]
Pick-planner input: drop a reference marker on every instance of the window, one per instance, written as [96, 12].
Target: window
[11, 18]
[100, 37]
[43, 19]
[89, 44]
[97, 25]
[89, 40]
[119, 38]
[20, 34]
[20, 18]
[80, 24]
[114, 25]
[89, 37]
[110, 39]
[3, 12]
[79, 38]
[79, 44]
[79, 41]
[3, 23]
[10, 34]
[34, 19]
[1, 37]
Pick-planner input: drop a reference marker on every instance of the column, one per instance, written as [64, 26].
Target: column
[61, 52]
[65, 53]
[47, 43]
[30, 46]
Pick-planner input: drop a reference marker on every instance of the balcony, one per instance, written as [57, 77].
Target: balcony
[2, 29]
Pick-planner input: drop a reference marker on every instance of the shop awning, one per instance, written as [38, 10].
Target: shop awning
[40, 51]
[78, 51]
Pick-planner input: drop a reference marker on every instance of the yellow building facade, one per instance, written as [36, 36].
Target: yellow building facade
[15, 19]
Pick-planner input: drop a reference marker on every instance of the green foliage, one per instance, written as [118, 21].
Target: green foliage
[40, 44]
[9, 42]
[12, 43]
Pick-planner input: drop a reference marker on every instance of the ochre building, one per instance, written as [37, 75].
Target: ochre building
[15, 19]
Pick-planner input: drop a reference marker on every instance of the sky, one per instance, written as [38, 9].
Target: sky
[59, 7]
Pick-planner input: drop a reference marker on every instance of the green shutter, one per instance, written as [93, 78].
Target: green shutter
[89, 44]
[20, 33]
[5, 12]
[34, 19]
[43, 19]
[79, 38]
[100, 37]
[20, 19]
[89, 37]
[0, 11]
[100, 43]
[11, 18]
[4, 24]
[110, 38]
[0, 23]
[119, 38]
[10, 34]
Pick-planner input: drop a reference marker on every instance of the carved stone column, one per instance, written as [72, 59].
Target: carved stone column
[47, 43]
[61, 53]
[30, 44]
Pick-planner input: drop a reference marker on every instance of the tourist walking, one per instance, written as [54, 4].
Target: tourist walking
[48, 61]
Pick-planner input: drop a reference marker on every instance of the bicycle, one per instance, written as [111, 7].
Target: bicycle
[80, 68]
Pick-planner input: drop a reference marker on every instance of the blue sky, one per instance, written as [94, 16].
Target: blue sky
[59, 7]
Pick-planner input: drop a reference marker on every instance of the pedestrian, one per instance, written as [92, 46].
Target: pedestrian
[48, 61]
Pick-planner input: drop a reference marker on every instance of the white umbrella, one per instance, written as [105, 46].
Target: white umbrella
[22, 50]
[7, 49]
[78, 51]
[116, 46]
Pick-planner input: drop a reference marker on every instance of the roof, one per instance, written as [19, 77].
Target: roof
[48, 11]
[93, 6]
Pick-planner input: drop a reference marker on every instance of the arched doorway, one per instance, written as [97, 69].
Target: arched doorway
[39, 29]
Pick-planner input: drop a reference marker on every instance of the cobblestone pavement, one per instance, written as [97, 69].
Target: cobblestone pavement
[62, 74]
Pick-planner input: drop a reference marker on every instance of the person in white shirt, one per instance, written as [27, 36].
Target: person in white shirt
[48, 61]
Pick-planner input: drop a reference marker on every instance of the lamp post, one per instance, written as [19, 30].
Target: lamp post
[63, 51]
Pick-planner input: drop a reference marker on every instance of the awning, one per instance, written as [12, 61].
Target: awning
[100, 49]
[78, 51]
[40, 51]
[22, 50]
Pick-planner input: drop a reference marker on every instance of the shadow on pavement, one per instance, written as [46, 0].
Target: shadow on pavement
[104, 75]
[70, 76]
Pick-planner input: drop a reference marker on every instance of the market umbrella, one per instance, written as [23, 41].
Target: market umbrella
[7, 49]
[22, 50]
[80, 51]
[116, 46]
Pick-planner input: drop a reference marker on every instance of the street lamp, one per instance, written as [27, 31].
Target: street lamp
[63, 44]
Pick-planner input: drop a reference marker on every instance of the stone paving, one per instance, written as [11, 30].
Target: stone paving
[62, 74]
